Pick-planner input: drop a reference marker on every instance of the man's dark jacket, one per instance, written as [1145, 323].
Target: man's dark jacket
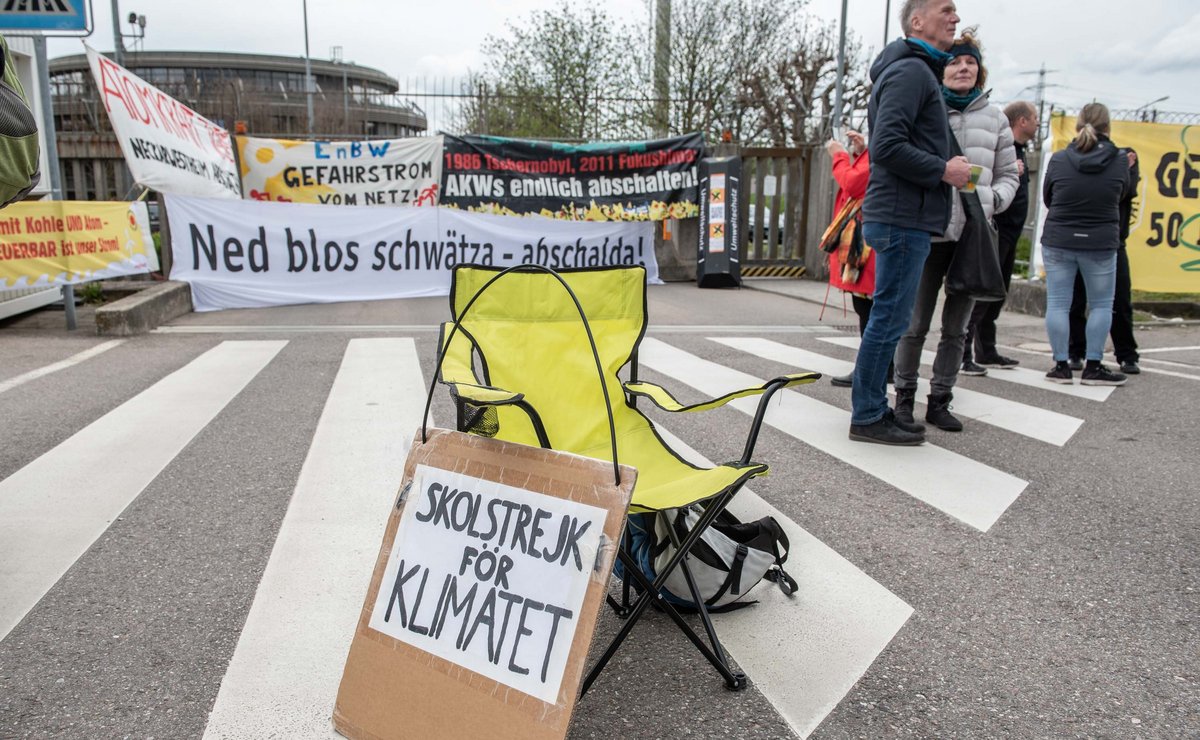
[1012, 219]
[1083, 191]
[910, 141]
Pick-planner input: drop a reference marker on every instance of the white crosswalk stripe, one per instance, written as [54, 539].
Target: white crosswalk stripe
[1019, 375]
[840, 614]
[75, 359]
[53, 509]
[283, 678]
[803, 654]
[1030, 421]
[969, 491]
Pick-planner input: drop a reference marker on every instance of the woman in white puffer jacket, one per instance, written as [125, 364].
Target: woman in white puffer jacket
[983, 133]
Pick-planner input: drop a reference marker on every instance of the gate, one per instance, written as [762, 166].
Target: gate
[787, 205]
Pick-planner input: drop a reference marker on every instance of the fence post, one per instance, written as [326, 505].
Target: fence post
[819, 209]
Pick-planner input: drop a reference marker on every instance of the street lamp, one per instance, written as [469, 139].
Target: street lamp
[1147, 105]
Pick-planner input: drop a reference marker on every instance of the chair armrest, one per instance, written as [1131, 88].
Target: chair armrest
[482, 395]
[663, 399]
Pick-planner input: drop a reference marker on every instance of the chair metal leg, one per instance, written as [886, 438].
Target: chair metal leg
[733, 680]
[701, 607]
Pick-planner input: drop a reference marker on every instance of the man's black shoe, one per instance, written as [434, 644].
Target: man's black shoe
[885, 432]
[1130, 367]
[1075, 364]
[971, 368]
[843, 381]
[998, 360]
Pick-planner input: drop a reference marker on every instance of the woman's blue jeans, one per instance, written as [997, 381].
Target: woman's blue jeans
[899, 260]
[1099, 271]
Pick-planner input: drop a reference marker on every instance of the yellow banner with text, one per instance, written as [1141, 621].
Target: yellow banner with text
[1164, 235]
[44, 243]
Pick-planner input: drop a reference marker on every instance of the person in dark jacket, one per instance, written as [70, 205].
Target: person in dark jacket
[1124, 344]
[908, 200]
[1082, 189]
[979, 351]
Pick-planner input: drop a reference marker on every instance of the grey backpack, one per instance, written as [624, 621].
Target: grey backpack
[19, 153]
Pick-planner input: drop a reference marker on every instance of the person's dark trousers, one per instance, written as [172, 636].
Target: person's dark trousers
[1124, 343]
[900, 256]
[981, 328]
[862, 307]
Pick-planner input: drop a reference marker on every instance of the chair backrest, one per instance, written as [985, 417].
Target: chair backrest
[529, 336]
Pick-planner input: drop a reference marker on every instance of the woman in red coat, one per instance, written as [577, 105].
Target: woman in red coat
[851, 170]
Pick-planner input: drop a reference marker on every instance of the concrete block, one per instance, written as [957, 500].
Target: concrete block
[144, 310]
[1026, 296]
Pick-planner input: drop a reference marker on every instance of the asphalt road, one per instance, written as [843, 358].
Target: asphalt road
[1033, 576]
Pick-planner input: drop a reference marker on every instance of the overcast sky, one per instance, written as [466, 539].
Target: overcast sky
[1125, 53]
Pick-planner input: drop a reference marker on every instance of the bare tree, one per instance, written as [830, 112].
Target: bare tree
[794, 94]
[563, 73]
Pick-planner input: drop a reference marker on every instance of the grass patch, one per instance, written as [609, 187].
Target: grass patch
[1145, 296]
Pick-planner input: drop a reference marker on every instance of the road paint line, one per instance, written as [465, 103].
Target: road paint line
[1029, 421]
[74, 359]
[54, 508]
[283, 678]
[1141, 363]
[1152, 350]
[1019, 375]
[805, 653]
[965, 489]
[411, 328]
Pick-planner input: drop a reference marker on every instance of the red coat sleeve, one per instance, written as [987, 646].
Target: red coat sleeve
[852, 177]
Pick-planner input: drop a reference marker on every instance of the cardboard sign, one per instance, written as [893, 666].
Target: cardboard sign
[485, 594]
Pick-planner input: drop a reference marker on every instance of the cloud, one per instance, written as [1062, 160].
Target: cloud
[1175, 52]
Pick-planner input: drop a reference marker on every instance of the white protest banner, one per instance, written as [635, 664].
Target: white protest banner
[385, 172]
[489, 577]
[248, 254]
[168, 146]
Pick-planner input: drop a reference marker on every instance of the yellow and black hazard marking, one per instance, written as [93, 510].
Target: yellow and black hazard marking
[716, 230]
[788, 271]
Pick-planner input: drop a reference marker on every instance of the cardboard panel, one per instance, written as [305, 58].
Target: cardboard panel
[485, 594]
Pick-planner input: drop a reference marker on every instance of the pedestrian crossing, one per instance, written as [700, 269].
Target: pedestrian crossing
[283, 675]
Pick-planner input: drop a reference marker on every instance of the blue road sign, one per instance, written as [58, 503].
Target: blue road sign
[45, 17]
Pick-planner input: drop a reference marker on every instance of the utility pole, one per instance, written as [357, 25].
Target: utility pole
[835, 119]
[1041, 98]
[662, 68]
[887, 14]
[118, 41]
[308, 81]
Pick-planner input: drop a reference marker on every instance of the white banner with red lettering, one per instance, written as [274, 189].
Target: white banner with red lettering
[168, 146]
[250, 254]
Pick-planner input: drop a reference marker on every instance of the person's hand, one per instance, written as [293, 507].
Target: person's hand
[958, 172]
[833, 146]
[1020, 168]
[858, 144]
[1132, 156]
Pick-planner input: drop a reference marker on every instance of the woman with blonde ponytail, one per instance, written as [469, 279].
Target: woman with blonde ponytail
[1082, 188]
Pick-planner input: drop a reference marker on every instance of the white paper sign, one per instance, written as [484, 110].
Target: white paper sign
[168, 146]
[381, 172]
[489, 577]
[249, 254]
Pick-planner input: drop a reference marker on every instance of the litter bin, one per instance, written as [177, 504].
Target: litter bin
[721, 236]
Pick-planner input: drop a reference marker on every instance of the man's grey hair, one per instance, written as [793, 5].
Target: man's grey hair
[1018, 109]
[907, 10]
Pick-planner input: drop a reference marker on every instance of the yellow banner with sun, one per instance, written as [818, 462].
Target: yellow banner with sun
[383, 172]
[45, 243]
[1164, 234]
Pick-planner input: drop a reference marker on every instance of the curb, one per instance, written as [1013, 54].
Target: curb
[144, 310]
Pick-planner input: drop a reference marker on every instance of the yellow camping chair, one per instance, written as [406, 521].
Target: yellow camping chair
[533, 356]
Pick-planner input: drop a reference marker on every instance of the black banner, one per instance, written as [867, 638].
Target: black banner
[627, 181]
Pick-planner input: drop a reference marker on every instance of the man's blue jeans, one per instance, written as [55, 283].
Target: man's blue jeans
[899, 258]
[1099, 271]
